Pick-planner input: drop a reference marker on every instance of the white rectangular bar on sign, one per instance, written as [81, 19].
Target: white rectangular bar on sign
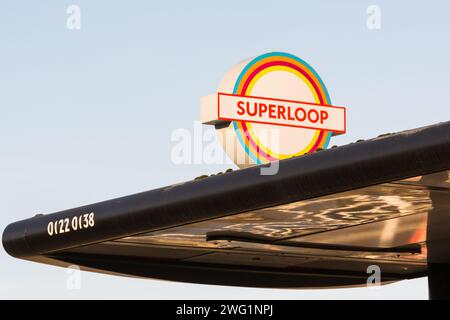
[280, 112]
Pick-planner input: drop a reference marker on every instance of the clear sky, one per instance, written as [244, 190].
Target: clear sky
[87, 115]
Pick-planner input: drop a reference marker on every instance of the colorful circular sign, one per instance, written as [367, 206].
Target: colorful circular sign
[272, 107]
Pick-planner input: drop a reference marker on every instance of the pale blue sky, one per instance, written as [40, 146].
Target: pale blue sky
[87, 115]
